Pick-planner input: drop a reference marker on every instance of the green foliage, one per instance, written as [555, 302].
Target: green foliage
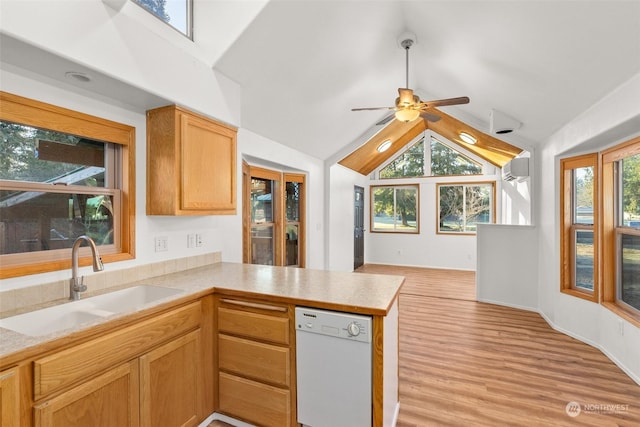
[157, 7]
[19, 153]
[409, 163]
[447, 161]
[631, 185]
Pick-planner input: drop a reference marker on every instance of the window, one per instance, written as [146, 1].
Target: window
[273, 206]
[579, 236]
[447, 161]
[409, 163]
[439, 160]
[63, 174]
[176, 13]
[395, 209]
[621, 229]
[462, 206]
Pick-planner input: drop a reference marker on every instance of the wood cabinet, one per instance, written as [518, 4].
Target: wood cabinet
[256, 360]
[109, 400]
[9, 398]
[157, 370]
[191, 164]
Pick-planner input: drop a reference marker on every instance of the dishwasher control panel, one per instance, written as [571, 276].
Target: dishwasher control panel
[332, 323]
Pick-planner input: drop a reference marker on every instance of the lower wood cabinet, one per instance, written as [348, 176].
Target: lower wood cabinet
[171, 386]
[111, 399]
[157, 371]
[256, 375]
[9, 398]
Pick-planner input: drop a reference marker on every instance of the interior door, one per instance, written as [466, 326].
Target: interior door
[358, 227]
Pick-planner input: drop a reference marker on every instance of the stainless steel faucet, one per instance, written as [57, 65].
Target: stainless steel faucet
[77, 285]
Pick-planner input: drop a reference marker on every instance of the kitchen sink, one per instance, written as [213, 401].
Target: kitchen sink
[70, 315]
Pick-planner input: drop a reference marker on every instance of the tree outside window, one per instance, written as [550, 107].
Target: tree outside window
[176, 13]
[395, 209]
[462, 206]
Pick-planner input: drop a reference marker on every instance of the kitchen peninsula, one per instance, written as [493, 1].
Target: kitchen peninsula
[232, 327]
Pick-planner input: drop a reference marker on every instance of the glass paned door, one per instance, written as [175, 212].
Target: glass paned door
[292, 222]
[262, 221]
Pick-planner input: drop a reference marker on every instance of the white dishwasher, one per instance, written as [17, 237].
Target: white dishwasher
[334, 365]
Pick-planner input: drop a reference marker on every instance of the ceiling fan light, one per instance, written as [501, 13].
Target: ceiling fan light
[384, 146]
[407, 115]
[468, 138]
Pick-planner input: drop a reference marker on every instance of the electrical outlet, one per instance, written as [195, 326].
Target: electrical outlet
[199, 241]
[191, 241]
[161, 243]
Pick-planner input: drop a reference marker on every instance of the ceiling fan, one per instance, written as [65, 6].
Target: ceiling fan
[409, 106]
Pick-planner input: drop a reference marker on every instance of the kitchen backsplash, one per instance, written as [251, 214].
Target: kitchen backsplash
[16, 299]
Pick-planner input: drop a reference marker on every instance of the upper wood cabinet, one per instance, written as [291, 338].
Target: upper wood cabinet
[191, 164]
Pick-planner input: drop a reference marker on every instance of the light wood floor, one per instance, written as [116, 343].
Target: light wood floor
[464, 363]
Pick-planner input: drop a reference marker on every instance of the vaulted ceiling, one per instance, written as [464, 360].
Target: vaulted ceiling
[303, 65]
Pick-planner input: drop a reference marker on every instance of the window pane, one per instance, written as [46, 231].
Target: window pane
[292, 245]
[395, 209]
[583, 195]
[451, 199]
[383, 208]
[38, 221]
[292, 196]
[409, 163]
[447, 161]
[262, 245]
[631, 191]
[406, 215]
[261, 206]
[584, 258]
[39, 155]
[477, 206]
[176, 13]
[630, 270]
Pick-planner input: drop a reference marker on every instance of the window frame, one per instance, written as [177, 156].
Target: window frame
[464, 185]
[188, 33]
[29, 112]
[611, 230]
[568, 228]
[278, 222]
[372, 189]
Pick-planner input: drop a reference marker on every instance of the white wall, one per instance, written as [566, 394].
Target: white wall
[341, 182]
[426, 249]
[220, 233]
[513, 283]
[616, 118]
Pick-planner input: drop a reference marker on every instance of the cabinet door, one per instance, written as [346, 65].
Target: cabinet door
[171, 386]
[9, 398]
[109, 400]
[208, 165]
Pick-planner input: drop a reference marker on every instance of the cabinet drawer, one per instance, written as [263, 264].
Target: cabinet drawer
[257, 403]
[257, 360]
[63, 368]
[254, 325]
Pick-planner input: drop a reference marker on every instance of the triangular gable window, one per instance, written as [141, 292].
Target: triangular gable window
[447, 161]
[442, 160]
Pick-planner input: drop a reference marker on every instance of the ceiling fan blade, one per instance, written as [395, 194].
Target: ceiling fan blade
[373, 108]
[430, 117]
[448, 101]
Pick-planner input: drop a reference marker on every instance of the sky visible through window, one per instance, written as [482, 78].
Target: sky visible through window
[177, 11]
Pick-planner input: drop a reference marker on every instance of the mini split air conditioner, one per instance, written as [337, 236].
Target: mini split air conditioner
[516, 168]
